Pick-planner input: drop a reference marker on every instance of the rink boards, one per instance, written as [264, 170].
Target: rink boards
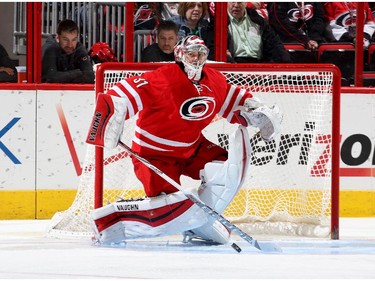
[40, 164]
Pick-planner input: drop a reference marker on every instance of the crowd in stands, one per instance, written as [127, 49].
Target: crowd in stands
[260, 31]
[64, 59]
[257, 32]
[8, 72]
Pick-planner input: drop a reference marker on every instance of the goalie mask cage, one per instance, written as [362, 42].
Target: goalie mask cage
[292, 187]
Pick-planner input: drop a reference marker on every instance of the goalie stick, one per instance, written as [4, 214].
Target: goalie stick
[202, 205]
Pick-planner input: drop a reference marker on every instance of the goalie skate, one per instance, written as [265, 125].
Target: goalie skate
[212, 234]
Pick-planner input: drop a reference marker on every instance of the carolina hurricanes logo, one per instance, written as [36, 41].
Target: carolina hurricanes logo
[197, 108]
[295, 14]
[346, 19]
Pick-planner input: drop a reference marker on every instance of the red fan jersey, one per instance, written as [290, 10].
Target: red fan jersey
[173, 111]
[341, 15]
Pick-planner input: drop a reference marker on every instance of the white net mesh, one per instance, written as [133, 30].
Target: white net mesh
[288, 187]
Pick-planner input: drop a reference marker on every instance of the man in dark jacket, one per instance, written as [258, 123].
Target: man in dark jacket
[298, 22]
[250, 37]
[64, 59]
[167, 32]
[8, 72]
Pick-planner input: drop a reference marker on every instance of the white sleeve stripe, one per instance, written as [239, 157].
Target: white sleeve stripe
[227, 100]
[145, 144]
[239, 97]
[163, 141]
[128, 103]
[118, 91]
[134, 93]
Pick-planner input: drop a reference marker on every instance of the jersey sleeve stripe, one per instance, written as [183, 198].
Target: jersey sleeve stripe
[227, 101]
[129, 105]
[134, 93]
[235, 104]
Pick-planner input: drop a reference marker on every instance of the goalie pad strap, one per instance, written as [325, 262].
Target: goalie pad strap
[108, 121]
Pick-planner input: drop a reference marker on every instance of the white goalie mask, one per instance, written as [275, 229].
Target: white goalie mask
[192, 52]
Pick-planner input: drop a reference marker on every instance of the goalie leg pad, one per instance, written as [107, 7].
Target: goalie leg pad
[221, 183]
[108, 121]
[222, 180]
[149, 217]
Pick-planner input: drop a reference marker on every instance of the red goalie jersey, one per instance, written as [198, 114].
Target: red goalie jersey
[173, 111]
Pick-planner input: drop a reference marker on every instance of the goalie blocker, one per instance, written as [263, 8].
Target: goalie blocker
[108, 121]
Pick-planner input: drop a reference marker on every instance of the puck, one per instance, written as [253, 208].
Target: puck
[236, 247]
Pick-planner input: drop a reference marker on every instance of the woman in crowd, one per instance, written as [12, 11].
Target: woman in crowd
[193, 19]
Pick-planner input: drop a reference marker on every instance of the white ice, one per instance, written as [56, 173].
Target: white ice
[25, 253]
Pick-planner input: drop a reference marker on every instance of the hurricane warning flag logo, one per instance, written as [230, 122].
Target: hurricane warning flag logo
[197, 108]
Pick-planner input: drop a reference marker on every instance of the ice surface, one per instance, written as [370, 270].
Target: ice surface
[25, 253]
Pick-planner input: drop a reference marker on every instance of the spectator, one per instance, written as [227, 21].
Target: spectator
[8, 72]
[64, 59]
[298, 22]
[147, 16]
[169, 10]
[372, 8]
[341, 17]
[192, 20]
[250, 37]
[167, 34]
[261, 8]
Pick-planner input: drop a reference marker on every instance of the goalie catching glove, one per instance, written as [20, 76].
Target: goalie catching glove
[108, 121]
[266, 119]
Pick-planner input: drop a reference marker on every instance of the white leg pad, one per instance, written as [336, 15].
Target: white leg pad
[221, 182]
[151, 217]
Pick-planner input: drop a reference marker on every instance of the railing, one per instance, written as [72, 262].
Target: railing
[97, 22]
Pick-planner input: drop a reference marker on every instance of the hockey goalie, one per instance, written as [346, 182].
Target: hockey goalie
[174, 104]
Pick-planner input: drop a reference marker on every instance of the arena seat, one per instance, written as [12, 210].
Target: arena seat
[340, 54]
[369, 79]
[371, 56]
[299, 54]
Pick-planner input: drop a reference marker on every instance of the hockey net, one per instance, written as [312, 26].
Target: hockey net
[292, 183]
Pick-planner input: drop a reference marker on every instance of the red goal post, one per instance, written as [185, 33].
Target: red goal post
[293, 182]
